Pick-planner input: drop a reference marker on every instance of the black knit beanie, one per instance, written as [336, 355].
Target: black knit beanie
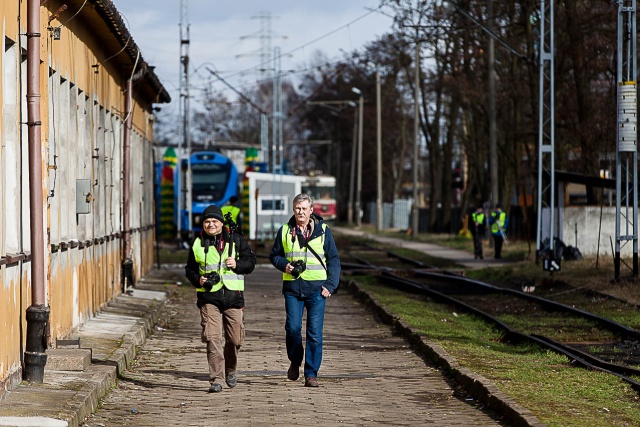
[214, 212]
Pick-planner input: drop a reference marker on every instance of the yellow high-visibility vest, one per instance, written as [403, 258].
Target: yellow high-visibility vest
[293, 252]
[213, 261]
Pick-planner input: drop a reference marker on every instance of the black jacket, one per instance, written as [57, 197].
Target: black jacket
[245, 263]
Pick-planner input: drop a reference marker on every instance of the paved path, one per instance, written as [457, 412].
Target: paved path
[369, 375]
[462, 258]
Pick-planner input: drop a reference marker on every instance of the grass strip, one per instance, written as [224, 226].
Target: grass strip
[542, 381]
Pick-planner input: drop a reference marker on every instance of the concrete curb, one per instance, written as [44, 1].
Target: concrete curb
[481, 388]
[113, 335]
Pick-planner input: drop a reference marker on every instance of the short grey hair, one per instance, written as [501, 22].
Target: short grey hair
[301, 198]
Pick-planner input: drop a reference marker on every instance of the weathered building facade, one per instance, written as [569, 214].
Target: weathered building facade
[96, 96]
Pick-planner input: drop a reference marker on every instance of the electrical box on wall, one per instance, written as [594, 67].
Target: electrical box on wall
[83, 196]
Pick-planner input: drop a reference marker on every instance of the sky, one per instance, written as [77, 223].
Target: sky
[227, 37]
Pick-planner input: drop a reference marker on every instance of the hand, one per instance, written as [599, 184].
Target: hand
[203, 281]
[230, 262]
[325, 292]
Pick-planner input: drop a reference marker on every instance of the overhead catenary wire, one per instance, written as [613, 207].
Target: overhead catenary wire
[490, 32]
[240, 94]
[305, 45]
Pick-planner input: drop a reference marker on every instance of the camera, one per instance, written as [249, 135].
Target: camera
[212, 279]
[298, 267]
[233, 227]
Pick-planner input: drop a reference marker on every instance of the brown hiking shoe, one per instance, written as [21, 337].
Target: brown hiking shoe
[311, 382]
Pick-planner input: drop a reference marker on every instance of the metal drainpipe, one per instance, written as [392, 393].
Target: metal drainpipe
[127, 263]
[37, 315]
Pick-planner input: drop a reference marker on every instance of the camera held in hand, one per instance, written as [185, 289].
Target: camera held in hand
[212, 279]
[298, 267]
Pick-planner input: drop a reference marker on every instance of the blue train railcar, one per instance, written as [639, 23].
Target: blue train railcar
[214, 180]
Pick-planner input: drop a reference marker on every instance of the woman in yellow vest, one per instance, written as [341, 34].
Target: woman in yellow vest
[305, 252]
[216, 267]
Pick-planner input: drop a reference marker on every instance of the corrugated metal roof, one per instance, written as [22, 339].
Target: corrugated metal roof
[102, 17]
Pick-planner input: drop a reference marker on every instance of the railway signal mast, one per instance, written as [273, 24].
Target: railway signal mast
[627, 135]
[185, 186]
[546, 138]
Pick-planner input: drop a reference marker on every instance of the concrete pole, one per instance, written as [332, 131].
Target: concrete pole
[416, 129]
[359, 180]
[379, 225]
[493, 145]
[354, 147]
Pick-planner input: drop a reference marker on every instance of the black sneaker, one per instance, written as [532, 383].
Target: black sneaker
[293, 373]
[215, 388]
[232, 380]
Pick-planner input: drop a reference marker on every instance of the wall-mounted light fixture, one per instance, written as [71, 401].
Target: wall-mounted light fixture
[55, 33]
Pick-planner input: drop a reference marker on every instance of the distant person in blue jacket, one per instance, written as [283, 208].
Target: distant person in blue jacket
[305, 251]
[498, 221]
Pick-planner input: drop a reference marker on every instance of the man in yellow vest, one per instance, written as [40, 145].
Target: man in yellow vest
[232, 209]
[305, 251]
[216, 267]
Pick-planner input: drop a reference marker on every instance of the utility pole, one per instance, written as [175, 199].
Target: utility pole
[265, 44]
[265, 35]
[266, 72]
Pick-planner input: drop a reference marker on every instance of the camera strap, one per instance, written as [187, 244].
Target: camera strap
[315, 254]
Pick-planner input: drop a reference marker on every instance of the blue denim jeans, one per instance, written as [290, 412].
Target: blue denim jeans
[294, 306]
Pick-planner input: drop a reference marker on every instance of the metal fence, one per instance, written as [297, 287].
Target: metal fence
[396, 215]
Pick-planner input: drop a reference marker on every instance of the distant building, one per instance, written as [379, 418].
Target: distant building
[87, 57]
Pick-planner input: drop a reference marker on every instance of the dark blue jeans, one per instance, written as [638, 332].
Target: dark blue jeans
[294, 306]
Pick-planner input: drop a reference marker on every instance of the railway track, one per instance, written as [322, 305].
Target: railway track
[588, 340]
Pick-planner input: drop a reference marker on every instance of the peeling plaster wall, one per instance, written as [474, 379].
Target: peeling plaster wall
[82, 117]
[15, 293]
